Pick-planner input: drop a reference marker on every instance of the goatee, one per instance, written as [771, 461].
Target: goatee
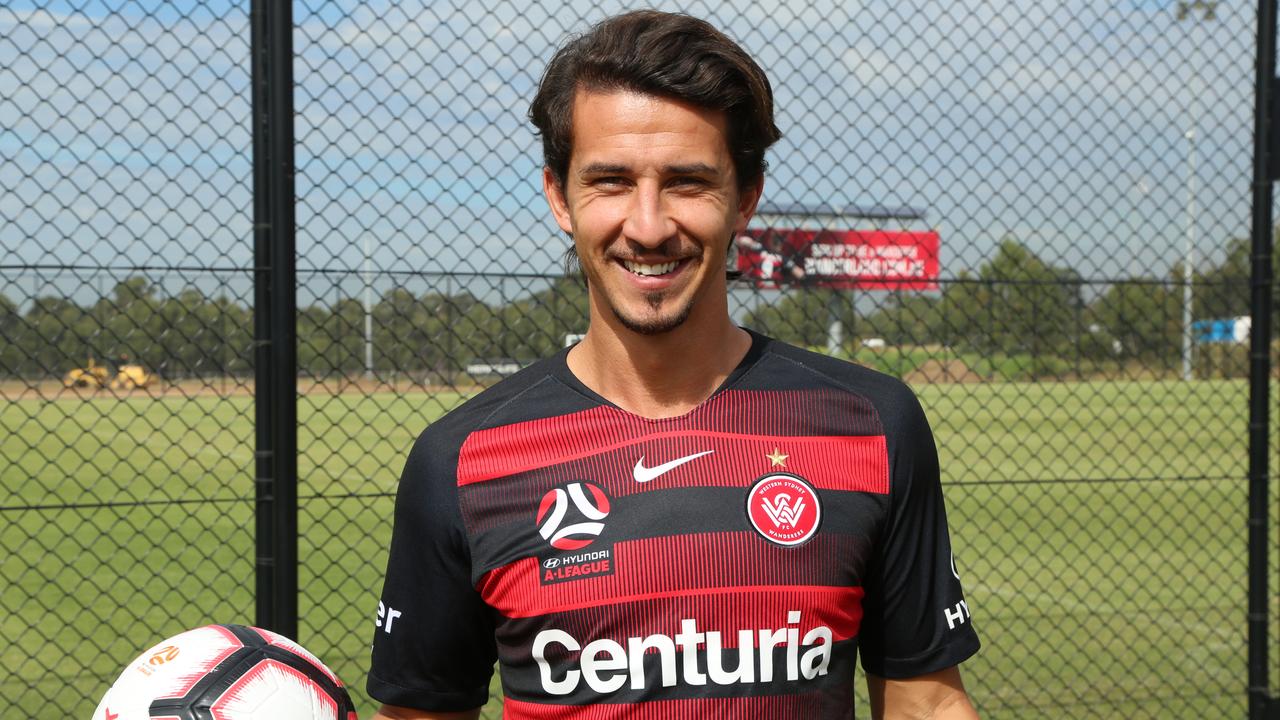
[656, 324]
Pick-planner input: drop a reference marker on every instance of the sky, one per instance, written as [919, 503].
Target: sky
[124, 131]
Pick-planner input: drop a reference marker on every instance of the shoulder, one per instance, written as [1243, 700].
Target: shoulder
[430, 477]
[789, 367]
[534, 392]
[476, 410]
[514, 394]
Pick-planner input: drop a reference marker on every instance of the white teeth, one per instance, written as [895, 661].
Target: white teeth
[649, 270]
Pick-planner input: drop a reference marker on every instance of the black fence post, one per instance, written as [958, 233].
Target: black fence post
[275, 300]
[1264, 172]
[264, 555]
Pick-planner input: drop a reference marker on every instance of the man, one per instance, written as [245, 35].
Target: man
[675, 518]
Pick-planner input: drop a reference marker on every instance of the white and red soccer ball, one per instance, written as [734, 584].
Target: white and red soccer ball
[226, 672]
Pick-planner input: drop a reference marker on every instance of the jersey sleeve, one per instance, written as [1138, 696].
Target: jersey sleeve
[915, 618]
[433, 648]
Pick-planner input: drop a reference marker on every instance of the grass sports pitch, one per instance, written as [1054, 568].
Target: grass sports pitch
[1099, 528]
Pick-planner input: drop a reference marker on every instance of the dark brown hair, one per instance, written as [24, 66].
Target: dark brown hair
[665, 54]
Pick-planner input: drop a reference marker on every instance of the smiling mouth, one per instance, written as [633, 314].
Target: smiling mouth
[650, 269]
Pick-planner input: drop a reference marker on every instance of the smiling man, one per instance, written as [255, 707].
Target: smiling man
[675, 518]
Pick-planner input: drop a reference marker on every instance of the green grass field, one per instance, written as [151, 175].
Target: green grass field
[1099, 527]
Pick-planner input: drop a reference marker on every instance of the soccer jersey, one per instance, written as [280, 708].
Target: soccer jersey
[731, 562]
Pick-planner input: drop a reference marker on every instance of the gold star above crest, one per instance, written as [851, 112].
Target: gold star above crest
[777, 459]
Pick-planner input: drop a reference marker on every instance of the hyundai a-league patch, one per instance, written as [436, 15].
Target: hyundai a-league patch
[570, 518]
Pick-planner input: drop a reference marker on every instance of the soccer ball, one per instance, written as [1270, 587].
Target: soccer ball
[226, 672]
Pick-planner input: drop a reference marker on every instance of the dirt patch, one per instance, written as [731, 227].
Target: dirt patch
[223, 387]
[54, 390]
[942, 371]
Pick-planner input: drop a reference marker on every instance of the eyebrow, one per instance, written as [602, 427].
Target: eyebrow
[604, 168]
[600, 168]
[692, 169]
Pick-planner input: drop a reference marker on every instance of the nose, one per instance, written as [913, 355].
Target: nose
[648, 221]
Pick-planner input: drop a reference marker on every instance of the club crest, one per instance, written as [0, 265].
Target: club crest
[784, 509]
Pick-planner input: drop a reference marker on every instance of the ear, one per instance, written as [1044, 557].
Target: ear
[557, 200]
[748, 198]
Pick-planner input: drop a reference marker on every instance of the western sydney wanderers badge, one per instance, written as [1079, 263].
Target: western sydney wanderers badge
[784, 509]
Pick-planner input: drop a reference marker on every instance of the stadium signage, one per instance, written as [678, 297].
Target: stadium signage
[842, 259]
[607, 665]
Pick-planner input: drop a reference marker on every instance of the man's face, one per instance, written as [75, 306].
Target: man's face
[652, 201]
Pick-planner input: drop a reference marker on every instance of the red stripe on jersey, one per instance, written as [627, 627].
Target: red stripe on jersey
[792, 416]
[852, 463]
[726, 610]
[765, 706]
[729, 614]
[845, 594]
[679, 566]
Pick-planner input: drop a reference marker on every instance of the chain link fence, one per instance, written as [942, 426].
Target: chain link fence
[1085, 168]
[126, 443]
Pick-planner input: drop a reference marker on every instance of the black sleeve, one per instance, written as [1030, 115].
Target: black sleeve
[915, 618]
[433, 648]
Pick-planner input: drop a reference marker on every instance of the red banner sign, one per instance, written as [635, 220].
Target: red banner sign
[846, 259]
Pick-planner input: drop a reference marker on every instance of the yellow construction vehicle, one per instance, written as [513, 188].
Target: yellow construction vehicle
[91, 376]
[128, 376]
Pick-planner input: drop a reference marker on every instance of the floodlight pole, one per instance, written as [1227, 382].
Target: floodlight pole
[368, 314]
[1189, 261]
[1185, 10]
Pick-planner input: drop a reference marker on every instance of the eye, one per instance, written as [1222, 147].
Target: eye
[688, 182]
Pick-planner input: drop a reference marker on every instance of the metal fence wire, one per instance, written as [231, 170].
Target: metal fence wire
[126, 450]
[1085, 168]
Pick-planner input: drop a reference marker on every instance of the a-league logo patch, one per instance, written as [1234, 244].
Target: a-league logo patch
[784, 509]
[570, 518]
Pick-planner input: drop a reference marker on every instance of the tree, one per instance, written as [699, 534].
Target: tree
[1137, 318]
[535, 326]
[1142, 316]
[1222, 291]
[909, 319]
[57, 327]
[802, 316]
[1031, 305]
[14, 339]
[1016, 302]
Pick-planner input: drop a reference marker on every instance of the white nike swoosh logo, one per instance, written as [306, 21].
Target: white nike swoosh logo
[643, 474]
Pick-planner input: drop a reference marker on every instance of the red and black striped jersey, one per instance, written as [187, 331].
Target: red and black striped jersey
[731, 562]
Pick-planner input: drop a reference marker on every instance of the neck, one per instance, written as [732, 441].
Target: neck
[658, 376]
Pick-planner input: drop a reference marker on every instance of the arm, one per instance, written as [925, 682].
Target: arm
[937, 696]
[394, 712]
[433, 644]
[916, 624]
